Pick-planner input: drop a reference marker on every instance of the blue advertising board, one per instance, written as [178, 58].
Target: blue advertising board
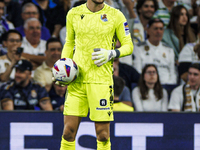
[130, 131]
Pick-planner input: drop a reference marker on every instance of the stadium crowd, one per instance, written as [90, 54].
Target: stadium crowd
[162, 74]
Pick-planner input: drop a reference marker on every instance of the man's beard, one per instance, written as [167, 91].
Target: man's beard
[20, 83]
[147, 17]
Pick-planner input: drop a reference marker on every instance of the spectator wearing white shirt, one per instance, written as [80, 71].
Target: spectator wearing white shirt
[34, 46]
[149, 95]
[189, 54]
[187, 97]
[153, 51]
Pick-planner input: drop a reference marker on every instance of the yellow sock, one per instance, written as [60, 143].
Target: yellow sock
[65, 145]
[105, 145]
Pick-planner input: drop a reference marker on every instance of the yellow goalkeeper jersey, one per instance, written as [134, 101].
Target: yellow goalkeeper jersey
[87, 30]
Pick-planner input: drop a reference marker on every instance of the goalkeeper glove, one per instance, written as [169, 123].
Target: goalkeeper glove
[102, 56]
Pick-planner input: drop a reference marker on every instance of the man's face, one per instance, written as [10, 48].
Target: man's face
[2, 5]
[60, 90]
[22, 77]
[30, 12]
[194, 77]
[53, 53]
[33, 32]
[13, 42]
[148, 9]
[155, 31]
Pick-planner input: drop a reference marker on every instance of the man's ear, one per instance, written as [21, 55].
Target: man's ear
[4, 43]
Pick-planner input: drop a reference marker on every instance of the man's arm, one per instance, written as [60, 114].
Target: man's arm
[7, 104]
[130, 7]
[68, 48]
[123, 35]
[34, 58]
[45, 104]
[6, 75]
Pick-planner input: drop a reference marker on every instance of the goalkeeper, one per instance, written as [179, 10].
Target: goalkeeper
[93, 29]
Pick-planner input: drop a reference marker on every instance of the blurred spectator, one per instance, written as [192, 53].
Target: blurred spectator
[34, 46]
[187, 97]
[150, 95]
[55, 23]
[43, 73]
[11, 40]
[62, 33]
[24, 94]
[153, 51]
[5, 25]
[189, 54]
[13, 12]
[128, 73]
[178, 32]
[45, 8]
[165, 7]
[145, 11]
[118, 88]
[29, 10]
[128, 10]
[125, 95]
[57, 96]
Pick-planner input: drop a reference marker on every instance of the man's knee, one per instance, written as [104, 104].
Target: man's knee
[103, 136]
[69, 133]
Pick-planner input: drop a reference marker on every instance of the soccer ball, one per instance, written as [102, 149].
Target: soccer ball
[65, 70]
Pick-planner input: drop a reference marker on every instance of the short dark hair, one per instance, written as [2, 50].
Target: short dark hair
[154, 20]
[2, 1]
[119, 84]
[6, 34]
[195, 65]
[51, 40]
[141, 2]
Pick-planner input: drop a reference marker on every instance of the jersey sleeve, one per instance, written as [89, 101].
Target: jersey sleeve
[68, 48]
[5, 95]
[42, 93]
[124, 36]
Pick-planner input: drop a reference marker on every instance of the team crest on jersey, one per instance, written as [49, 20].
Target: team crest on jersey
[164, 55]
[6, 65]
[126, 28]
[104, 18]
[33, 94]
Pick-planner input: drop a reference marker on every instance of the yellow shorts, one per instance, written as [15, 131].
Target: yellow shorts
[97, 98]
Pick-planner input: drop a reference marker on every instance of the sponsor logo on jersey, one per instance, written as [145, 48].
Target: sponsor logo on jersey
[103, 102]
[104, 18]
[107, 108]
[164, 55]
[126, 28]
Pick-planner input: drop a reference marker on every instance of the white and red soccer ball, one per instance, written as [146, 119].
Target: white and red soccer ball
[65, 70]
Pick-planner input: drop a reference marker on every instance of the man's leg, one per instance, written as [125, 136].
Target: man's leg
[71, 124]
[103, 135]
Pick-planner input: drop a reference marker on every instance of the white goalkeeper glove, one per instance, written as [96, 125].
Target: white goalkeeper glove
[102, 56]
